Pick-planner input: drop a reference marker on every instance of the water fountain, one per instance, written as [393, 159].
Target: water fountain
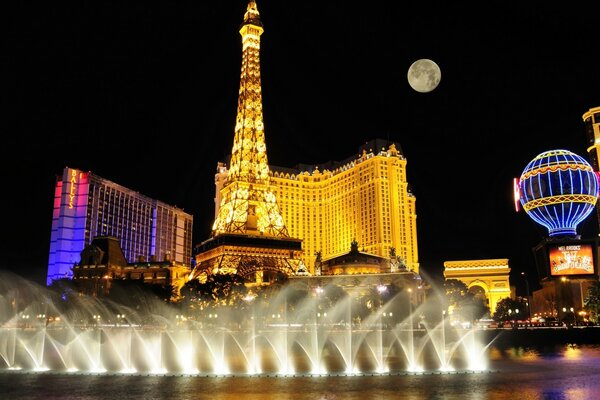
[288, 335]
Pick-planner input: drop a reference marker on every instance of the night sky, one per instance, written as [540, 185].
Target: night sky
[145, 96]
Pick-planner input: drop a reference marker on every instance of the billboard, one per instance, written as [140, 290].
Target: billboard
[571, 259]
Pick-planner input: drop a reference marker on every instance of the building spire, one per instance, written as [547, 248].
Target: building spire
[247, 202]
[249, 153]
[252, 15]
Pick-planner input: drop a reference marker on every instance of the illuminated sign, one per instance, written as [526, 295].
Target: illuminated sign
[571, 259]
[72, 191]
[516, 193]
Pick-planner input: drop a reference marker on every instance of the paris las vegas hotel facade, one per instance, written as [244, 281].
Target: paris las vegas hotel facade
[364, 199]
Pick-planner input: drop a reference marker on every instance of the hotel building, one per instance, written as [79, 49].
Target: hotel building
[87, 206]
[591, 119]
[364, 198]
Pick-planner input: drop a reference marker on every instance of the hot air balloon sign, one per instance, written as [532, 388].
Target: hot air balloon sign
[558, 189]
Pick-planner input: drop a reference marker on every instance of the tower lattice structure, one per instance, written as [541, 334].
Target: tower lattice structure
[249, 236]
[248, 204]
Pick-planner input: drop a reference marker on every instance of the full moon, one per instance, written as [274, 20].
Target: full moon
[424, 75]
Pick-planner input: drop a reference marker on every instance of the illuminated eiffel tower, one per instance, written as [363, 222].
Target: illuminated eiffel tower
[249, 237]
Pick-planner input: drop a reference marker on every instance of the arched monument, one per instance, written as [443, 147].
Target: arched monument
[489, 277]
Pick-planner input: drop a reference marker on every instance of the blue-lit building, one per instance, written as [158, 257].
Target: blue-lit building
[87, 206]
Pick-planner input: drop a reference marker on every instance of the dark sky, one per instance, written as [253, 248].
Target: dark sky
[145, 95]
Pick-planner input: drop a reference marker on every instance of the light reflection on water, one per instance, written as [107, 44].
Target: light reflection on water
[567, 353]
[543, 373]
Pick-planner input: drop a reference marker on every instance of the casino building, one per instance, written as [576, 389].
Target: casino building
[591, 120]
[364, 198]
[270, 219]
[87, 206]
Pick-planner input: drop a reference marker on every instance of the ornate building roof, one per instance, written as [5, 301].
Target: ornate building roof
[477, 264]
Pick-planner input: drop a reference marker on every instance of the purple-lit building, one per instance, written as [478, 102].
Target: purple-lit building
[87, 206]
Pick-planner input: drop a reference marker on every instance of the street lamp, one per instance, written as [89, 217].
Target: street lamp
[527, 289]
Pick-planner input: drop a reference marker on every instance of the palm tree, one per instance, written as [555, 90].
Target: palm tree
[509, 309]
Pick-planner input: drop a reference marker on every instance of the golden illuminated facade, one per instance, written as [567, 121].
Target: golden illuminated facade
[591, 119]
[249, 236]
[489, 278]
[365, 198]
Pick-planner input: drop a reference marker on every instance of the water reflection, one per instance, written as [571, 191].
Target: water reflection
[525, 373]
[567, 352]
[573, 352]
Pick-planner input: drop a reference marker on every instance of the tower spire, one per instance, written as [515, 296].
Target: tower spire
[252, 15]
[249, 153]
[248, 204]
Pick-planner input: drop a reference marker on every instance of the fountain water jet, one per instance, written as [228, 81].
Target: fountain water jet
[286, 335]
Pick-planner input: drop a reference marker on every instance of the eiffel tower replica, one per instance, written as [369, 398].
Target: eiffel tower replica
[249, 236]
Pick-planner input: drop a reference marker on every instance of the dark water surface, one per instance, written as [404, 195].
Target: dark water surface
[563, 372]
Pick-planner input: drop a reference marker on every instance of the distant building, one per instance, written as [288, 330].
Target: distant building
[102, 263]
[158, 273]
[99, 262]
[358, 272]
[591, 119]
[357, 262]
[88, 206]
[561, 297]
[567, 268]
[487, 279]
